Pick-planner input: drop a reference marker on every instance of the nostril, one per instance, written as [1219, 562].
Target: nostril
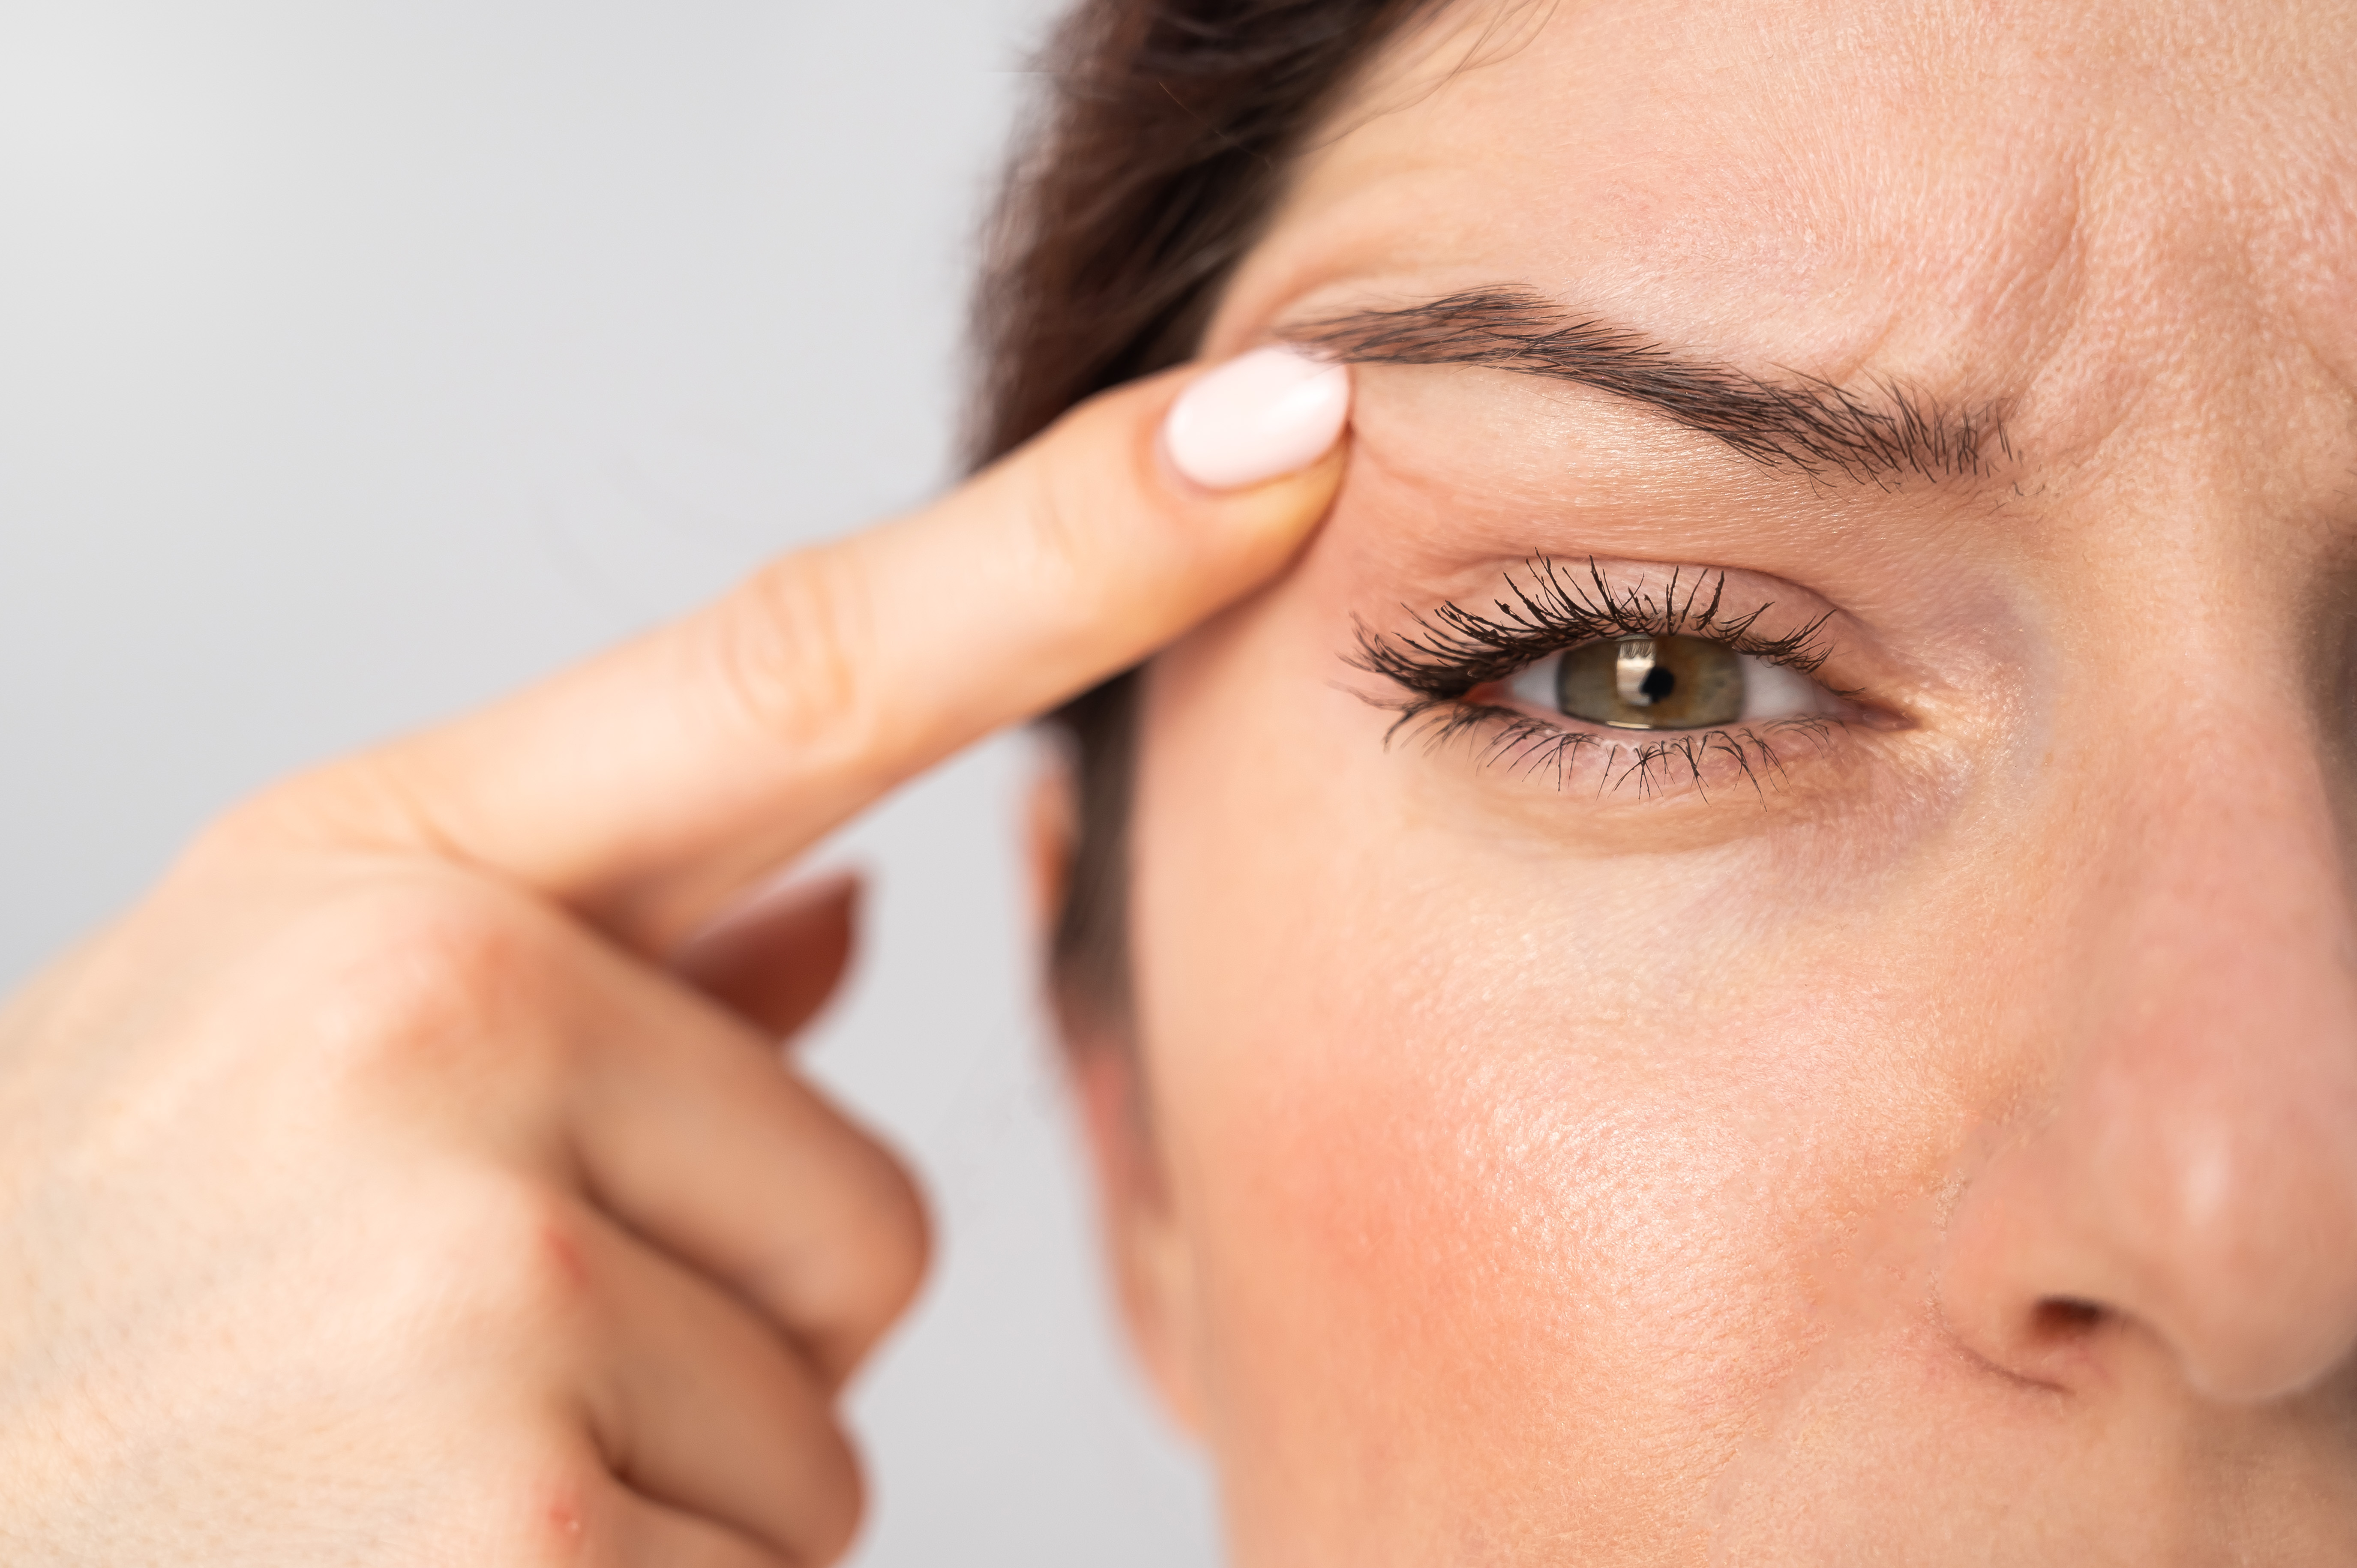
[2060, 1320]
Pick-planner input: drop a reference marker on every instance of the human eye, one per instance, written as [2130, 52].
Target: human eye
[1655, 680]
[1644, 681]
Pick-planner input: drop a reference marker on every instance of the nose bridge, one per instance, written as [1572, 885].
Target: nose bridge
[2222, 907]
[2215, 1090]
[2195, 1172]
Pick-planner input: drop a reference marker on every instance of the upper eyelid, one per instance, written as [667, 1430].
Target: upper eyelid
[1453, 650]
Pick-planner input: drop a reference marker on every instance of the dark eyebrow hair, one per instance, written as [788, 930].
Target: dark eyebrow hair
[1878, 434]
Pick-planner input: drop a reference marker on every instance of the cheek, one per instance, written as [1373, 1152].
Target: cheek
[1494, 1191]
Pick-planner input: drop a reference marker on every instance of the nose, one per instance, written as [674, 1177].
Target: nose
[2190, 1175]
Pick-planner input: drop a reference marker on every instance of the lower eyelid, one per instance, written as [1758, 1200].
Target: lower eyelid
[1787, 718]
[1742, 760]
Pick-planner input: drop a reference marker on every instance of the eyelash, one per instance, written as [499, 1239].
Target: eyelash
[1454, 651]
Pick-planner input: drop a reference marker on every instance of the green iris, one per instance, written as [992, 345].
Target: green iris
[1652, 682]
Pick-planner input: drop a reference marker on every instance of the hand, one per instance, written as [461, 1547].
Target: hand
[402, 1183]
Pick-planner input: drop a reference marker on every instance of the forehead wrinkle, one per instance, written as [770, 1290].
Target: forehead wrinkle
[1953, 218]
[1880, 432]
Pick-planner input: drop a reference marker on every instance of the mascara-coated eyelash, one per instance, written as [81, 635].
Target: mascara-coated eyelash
[1454, 650]
[1453, 653]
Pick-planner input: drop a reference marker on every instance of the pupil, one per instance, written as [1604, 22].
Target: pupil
[1649, 683]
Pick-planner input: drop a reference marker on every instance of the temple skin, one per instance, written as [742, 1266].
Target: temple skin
[1945, 1152]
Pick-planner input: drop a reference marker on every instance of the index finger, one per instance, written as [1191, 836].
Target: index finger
[647, 786]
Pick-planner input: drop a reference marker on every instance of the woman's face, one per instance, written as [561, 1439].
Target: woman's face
[1912, 1116]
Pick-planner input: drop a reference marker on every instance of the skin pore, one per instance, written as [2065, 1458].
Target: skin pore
[1937, 1142]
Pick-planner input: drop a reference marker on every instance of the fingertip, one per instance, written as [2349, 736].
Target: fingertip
[1276, 513]
[1266, 415]
[781, 955]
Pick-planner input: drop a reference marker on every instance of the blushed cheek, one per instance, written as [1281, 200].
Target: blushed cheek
[1455, 1241]
[1477, 1259]
[1519, 1188]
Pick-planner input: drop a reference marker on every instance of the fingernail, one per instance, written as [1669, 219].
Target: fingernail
[1271, 411]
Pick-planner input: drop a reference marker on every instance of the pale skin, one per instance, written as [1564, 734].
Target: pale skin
[1943, 1153]
[1947, 1153]
[414, 1178]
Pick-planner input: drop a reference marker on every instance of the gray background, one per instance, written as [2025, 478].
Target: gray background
[359, 361]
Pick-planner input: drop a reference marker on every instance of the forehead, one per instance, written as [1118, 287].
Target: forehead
[1998, 201]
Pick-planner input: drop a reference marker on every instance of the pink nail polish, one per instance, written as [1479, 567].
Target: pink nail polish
[1271, 411]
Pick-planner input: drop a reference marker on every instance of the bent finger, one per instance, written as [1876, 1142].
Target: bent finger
[688, 1127]
[645, 787]
[700, 1406]
[649, 1534]
[779, 958]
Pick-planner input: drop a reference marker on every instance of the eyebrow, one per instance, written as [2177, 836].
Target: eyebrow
[1879, 433]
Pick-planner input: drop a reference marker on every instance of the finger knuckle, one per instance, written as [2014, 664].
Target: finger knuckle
[791, 650]
[904, 1243]
[551, 1511]
[531, 1251]
[839, 1500]
[487, 1264]
[411, 983]
[524, 1256]
[865, 1277]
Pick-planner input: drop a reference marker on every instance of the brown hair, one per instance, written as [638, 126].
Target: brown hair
[1150, 169]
